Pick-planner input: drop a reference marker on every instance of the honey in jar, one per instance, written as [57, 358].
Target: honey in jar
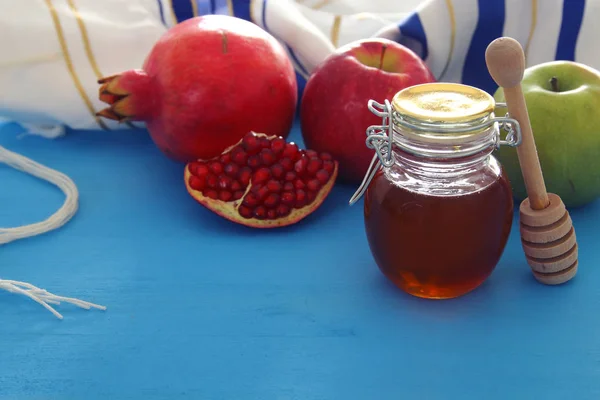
[438, 209]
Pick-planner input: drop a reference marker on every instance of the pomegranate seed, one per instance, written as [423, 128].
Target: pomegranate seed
[251, 143]
[224, 182]
[290, 150]
[310, 197]
[290, 176]
[245, 212]
[212, 194]
[313, 185]
[314, 164]
[299, 184]
[328, 166]
[288, 198]
[326, 157]
[239, 156]
[192, 167]
[212, 181]
[278, 145]
[225, 158]
[235, 186]
[287, 164]
[245, 175]
[262, 192]
[277, 171]
[216, 168]
[311, 154]
[283, 210]
[199, 169]
[300, 198]
[272, 214]
[260, 212]
[250, 200]
[274, 186]
[288, 186]
[272, 200]
[225, 195]
[300, 166]
[231, 170]
[265, 143]
[254, 161]
[238, 194]
[196, 183]
[267, 157]
[322, 176]
[261, 176]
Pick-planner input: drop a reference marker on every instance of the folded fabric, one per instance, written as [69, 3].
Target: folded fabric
[55, 50]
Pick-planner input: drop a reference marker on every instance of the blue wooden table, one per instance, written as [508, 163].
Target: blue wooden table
[201, 308]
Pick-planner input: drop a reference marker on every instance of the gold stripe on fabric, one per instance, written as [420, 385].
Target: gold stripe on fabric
[173, 15]
[452, 36]
[230, 7]
[532, 27]
[194, 7]
[85, 38]
[87, 45]
[321, 4]
[335, 30]
[63, 44]
[251, 11]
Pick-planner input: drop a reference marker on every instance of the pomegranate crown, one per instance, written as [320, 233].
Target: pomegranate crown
[130, 96]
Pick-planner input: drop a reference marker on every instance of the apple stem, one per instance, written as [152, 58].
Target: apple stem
[384, 48]
[554, 83]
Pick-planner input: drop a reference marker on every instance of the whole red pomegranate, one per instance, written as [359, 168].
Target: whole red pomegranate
[206, 83]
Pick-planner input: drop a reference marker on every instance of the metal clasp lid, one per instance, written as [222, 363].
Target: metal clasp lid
[380, 137]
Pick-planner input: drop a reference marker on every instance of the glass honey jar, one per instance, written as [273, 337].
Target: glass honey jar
[438, 206]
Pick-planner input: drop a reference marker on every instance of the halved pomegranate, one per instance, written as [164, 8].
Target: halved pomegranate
[262, 181]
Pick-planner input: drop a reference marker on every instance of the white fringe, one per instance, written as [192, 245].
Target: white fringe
[56, 220]
[63, 182]
[43, 297]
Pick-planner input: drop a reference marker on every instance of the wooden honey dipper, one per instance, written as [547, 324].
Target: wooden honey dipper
[547, 233]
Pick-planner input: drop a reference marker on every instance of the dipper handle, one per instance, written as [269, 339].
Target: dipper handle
[505, 60]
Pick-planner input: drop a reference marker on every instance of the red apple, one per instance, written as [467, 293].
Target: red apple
[333, 112]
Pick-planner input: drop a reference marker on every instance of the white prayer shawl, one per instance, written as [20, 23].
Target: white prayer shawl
[53, 51]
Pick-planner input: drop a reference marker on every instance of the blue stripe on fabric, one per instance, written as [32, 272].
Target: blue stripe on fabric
[264, 15]
[490, 26]
[412, 28]
[296, 60]
[221, 7]
[162, 12]
[183, 9]
[241, 9]
[213, 6]
[293, 55]
[572, 18]
[203, 7]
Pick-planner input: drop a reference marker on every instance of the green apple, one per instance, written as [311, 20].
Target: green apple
[563, 101]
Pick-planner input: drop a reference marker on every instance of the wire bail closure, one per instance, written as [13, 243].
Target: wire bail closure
[380, 137]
